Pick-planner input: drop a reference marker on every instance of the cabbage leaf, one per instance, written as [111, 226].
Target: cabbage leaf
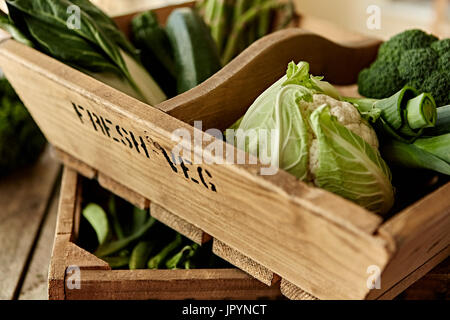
[349, 166]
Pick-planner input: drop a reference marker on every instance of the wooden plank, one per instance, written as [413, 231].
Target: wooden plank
[140, 284]
[182, 226]
[123, 192]
[24, 197]
[67, 202]
[418, 234]
[170, 285]
[74, 163]
[416, 275]
[293, 292]
[64, 252]
[35, 283]
[435, 285]
[282, 224]
[245, 263]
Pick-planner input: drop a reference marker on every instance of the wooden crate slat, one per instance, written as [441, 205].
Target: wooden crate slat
[410, 279]
[293, 292]
[244, 263]
[182, 226]
[170, 284]
[67, 202]
[97, 281]
[417, 234]
[118, 189]
[74, 163]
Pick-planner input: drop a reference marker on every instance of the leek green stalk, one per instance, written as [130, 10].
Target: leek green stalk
[403, 116]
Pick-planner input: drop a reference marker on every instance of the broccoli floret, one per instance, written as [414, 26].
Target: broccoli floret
[414, 58]
[407, 40]
[438, 85]
[380, 80]
[441, 46]
[21, 141]
[444, 63]
[417, 63]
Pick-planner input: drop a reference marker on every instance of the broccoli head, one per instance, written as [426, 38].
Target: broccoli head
[21, 141]
[438, 85]
[407, 40]
[417, 64]
[441, 46]
[412, 57]
[381, 80]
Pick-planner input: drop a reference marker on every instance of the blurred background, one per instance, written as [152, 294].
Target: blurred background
[323, 16]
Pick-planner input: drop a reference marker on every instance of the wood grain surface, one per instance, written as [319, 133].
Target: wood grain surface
[24, 198]
[35, 283]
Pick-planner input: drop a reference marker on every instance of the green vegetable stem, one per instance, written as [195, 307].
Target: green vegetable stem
[156, 261]
[98, 220]
[115, 246]
[249, 17]
[115, 219]
[183, 258]
[402, 116]
[140, 255]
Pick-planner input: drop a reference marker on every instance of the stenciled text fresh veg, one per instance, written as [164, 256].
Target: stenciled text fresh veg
[146, 146]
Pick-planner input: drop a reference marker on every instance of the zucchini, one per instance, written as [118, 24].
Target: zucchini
[195, 52]
[156, 52]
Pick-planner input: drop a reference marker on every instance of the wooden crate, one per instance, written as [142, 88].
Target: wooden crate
[98, 281]
[278, 229]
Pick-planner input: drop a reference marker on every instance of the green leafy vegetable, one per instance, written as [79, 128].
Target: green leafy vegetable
[302, 128]
[236, 24]
[21, 141]
[98, 220]
[115, 246]
[442, 122]
[412, 58]
[349, 166]
[97, 47]
[438, 146]
[411, 156]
